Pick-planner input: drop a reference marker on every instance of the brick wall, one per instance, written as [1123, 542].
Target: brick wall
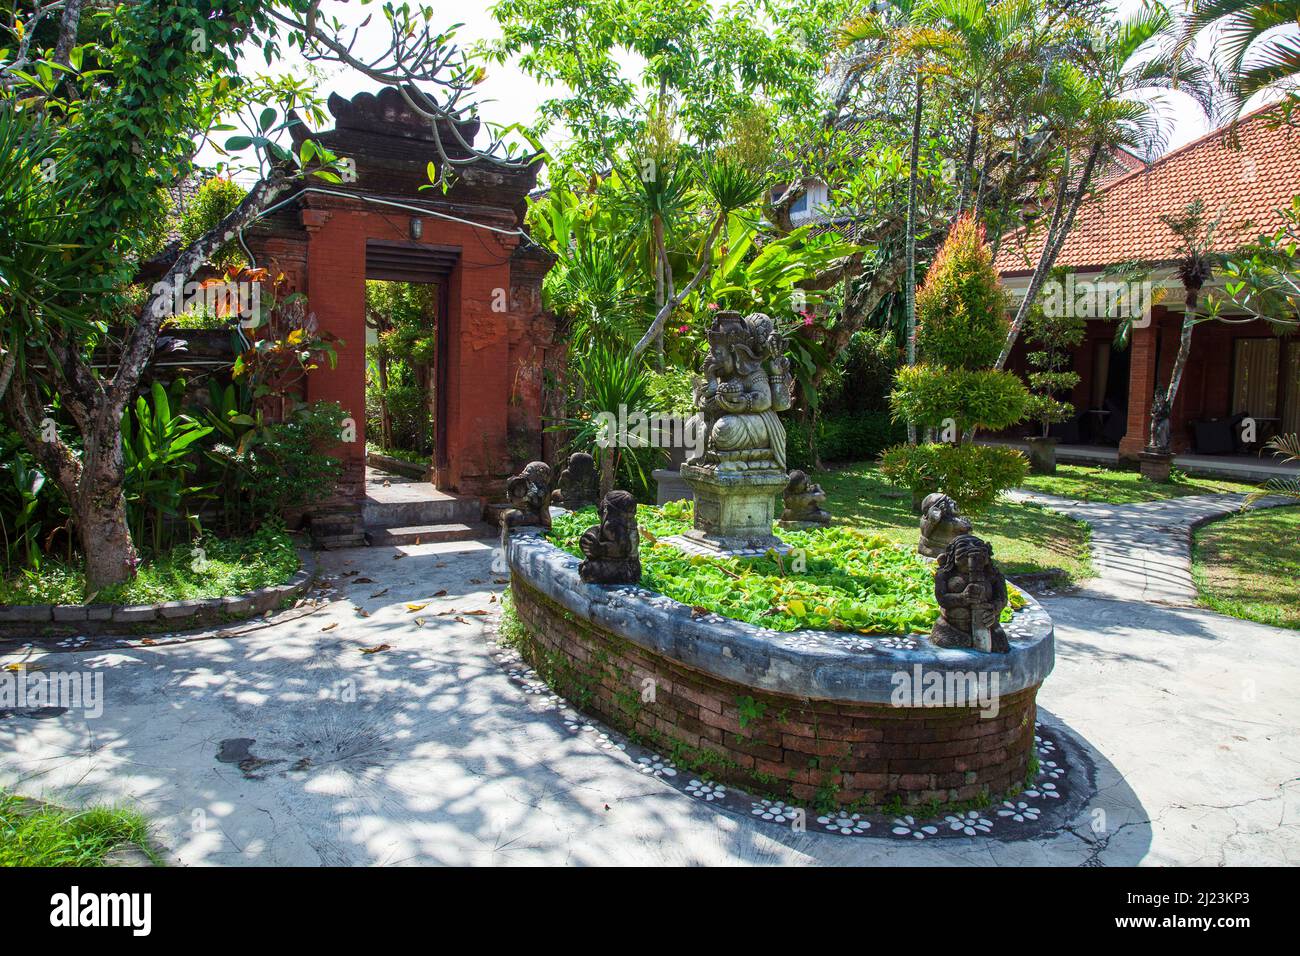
[806, 750]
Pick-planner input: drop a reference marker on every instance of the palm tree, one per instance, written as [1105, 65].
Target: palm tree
[1095, 108]
[1258, 41]
[959, 38]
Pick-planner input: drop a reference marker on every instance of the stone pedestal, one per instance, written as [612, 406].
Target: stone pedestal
[734, 510]
[670, 486]
[1042, 455]
[1155, 466]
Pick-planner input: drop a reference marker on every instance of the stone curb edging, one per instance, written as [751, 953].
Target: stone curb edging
[807, 664]
[110, 618]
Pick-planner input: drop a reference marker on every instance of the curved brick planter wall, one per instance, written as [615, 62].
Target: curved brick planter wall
[808, 716]
[119, 618]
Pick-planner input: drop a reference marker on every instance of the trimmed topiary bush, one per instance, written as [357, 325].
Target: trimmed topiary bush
[961, 327]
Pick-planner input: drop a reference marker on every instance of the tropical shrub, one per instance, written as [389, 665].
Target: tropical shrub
[973, 475]
[961, 398]
[160, 466]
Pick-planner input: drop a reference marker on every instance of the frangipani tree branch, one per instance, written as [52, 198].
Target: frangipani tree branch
[675, 298]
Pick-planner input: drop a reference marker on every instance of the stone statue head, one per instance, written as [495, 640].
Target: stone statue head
[966, 553]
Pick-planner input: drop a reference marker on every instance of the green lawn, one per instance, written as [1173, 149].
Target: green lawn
[1117, 487]
[1248, 566]
[1026, 539]
[36, 835]
[224, 567]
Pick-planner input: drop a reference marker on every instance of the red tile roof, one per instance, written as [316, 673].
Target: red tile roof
[1120, 223]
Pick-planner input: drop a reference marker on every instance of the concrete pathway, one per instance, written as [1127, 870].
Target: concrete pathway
[1143, 552]
[393, 737]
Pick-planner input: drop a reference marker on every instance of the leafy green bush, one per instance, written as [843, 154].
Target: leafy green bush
[288, 468]
[216, 198]
[853, 581]
[671, 392]
[968, 397]
[973, 475]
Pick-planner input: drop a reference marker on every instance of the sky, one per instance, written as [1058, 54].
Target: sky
[508, 95]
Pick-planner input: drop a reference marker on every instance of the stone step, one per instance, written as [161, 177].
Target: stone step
[430, 533]
[438, 509]
[335, 541]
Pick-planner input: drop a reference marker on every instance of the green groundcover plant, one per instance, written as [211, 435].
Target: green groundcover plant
[210, 567]
[851, 580]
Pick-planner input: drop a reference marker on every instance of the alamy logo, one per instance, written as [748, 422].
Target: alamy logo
[633, 428]
[74, 908]
[921, 688]
[35, 690]
[1086, 299]
[240, 299]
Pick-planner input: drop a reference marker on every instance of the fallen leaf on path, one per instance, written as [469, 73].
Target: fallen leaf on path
[376, 649]
[380, 593]
[364, 581]
[416, 607]
[330, 626]
[419, 622]
[442, 593]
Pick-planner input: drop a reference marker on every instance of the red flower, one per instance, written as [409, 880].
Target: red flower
[683, 329]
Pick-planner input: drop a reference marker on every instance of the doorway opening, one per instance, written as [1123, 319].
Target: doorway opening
[401, 370]
[407, 327]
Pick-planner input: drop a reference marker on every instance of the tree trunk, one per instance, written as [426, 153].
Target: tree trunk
[1057, 231]
[100, 513]
[913, 172]
[1192, 300]
[660, 265]
[968, 164]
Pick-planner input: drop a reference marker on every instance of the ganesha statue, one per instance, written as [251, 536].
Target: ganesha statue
[746, 382]
[739, 467]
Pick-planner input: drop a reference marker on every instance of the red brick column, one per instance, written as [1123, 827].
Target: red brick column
[1141, 390]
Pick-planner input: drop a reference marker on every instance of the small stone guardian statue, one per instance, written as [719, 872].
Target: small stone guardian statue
[579, 483]
[941, 521]
[530, 498]
[612, 548]
[971, 592]
[803, 501]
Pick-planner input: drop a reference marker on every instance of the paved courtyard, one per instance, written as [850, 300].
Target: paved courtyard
[370, 732]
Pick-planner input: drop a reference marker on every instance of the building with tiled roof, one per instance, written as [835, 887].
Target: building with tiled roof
[1244, 183]
[1237, 371]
